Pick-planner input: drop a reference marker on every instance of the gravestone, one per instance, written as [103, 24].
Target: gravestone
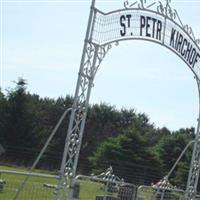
[2, 184]
[76, 189]
[168, 195]
[126, 192]
[106, 197]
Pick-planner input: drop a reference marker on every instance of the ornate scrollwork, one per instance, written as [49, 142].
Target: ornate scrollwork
[167, 10]
[90, 54]
[109, 176]
[94, 54]
[173, 14]
[164, 9]
[127, 4]
[88, 61]
[102, 51]
[197, 41]
[138, 4]
[190, 31]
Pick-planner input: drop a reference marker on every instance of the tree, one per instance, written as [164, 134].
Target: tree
[128, 155]
[17, 109]
[169, 149]
[19, 135]
[127, 140]
[103, 121]
[3, 117]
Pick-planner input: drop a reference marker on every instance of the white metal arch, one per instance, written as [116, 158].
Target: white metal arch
[155, 22]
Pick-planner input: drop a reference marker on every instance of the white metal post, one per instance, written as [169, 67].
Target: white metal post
[193, 176]
[78, 114]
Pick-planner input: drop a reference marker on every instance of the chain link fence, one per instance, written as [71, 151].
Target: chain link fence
[151, 193]
[39, 186]
[92, 188]
[43, 187]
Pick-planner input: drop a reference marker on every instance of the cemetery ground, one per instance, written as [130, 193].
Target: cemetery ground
[35, 190]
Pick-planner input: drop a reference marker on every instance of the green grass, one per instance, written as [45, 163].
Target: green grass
[149, 194]
[34, 189]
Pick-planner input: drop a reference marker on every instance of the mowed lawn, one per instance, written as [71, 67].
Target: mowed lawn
[34, 190]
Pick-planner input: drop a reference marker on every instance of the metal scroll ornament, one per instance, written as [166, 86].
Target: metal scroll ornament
[138, 4]
[109, 176]
[167, 10]
[164, 8]
[102, 51]
[90, 53]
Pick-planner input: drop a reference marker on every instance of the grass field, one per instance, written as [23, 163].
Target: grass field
[34, 189]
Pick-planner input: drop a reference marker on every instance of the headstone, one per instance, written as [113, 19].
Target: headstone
[2, 184]
[76, 190]
[167, 196]
[126, 192]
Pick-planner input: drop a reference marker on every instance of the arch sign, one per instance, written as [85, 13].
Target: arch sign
[142, 24]
[156, 22]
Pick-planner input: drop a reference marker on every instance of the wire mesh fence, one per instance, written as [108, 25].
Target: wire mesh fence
[37, 188]
[43, 187]
[93, 189]
[151, 193]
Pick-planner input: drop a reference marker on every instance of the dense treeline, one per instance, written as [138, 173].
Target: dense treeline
[138, 151]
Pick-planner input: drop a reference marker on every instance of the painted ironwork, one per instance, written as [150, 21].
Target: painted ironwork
[163, 185]
[193, 177]
[103, 32]
[109, 176]
[92, 57]
[163, 7]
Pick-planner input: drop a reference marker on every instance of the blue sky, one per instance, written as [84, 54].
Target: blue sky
[43, 41]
